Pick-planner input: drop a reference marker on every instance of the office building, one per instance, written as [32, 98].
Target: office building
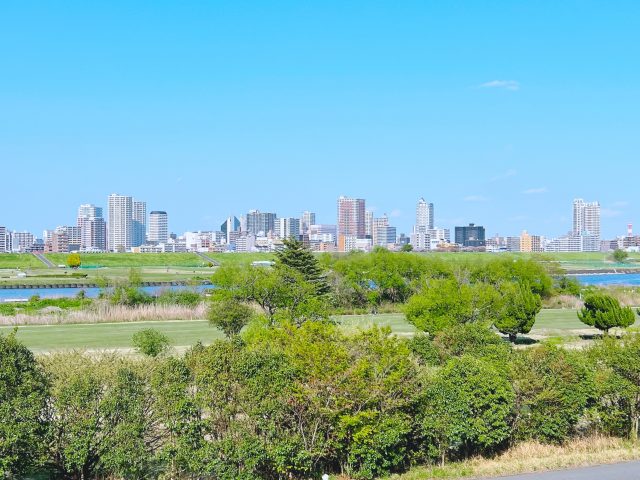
[139, 223]
[424, 216]
[261, 223]
[308, 219]
[471, 236]
[229, 227]
[351, 221]
[120, 227]
[158, 227]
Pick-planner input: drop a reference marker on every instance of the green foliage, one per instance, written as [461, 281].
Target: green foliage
[101, 418]
[186, 298]
[73, 260]
[298, 257]
[617, 363]
[519, 309]
[509, 269]
[468, 409]
[407, 247]
[23, 396]
[35, 304]
[444, 303]
[475, 339]
[553, 388]
[567, 285]
[619, 255]
[604, 312]
[230, 316]
[150, 342]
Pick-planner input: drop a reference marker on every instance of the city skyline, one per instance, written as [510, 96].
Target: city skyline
[267, 111]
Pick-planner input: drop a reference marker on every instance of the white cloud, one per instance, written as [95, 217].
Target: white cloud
[474, 198]
[503, 176]
[395, 213]
[533, 191]
[620, 204]
[512, 85]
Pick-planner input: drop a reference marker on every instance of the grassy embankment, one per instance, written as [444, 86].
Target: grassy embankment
[533, 457]
[113, 267]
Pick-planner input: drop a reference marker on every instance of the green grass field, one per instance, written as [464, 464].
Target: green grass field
[12, 261]
[550, 323]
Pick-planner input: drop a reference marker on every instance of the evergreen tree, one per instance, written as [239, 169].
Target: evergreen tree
[298, 257]
[604, 312]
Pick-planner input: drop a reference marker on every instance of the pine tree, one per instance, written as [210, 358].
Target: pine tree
[295, 255]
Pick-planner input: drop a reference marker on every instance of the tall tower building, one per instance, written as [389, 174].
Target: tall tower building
[368, 224]
[158, 227]
[288, 228]
[139, 223]
[424, 216]
[228, 227]
[586, 218]
[93, 229]
[120, 228]
[351, 217]
[5, 243]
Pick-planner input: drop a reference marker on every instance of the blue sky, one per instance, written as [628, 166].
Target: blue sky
[499, 112]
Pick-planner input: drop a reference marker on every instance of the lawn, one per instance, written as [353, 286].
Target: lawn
[551, 323]
[11, 261]
[132, 259]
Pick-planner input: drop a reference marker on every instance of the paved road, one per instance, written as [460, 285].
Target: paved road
[618, 471]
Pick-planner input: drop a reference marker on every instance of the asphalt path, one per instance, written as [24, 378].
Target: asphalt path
[617, 471]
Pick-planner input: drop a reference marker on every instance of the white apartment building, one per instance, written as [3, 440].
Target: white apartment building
[424, 216]
[120, 227]
[586, 218]
[5, 240]
[287, 228]
[158, 227]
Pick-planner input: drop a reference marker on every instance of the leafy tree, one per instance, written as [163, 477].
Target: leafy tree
[468, 409]
[230, 316]
[151, 342]
[73, 260]
[23, 396]
[444, 303]
[101, 416]
[519, 310]
[620, 256]
[282, 293]
[553, 388]
[617, 363]
[298, 257]
[604, 312]
[407, 247]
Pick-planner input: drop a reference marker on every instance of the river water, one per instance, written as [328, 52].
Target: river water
[602, 280]
[12, 294]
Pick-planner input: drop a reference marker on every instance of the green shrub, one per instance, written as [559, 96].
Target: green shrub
[150, 342]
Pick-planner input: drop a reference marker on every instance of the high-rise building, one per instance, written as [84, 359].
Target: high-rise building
[424, 216]
[470, 236]
[308, 219]
[120, 228]
[93, 229]
[139, 223]
[351, 220]
[288, 228]
[261, 222]
[22, 241]
[5, 240]
[158, 227]
[368, 224]
[586, 218]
